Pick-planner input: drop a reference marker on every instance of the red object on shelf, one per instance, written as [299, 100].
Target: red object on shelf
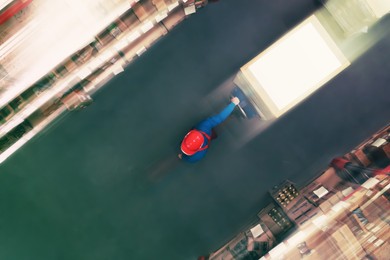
[341, 163]
[384, 171]
[12, 9]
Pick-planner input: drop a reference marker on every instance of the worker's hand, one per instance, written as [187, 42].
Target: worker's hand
[235, 100]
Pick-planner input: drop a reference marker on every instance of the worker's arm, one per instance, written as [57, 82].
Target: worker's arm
[213, 121]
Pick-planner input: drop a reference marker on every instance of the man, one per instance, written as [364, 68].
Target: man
[195, 144]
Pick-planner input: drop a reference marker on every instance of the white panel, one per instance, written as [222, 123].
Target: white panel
[4, 3]
[161, 16]
[294, 66]
[147, 26]
[297, 238]
[320, 192]
[370, 183]
[257, 230]
[379, 7]
[278, 251]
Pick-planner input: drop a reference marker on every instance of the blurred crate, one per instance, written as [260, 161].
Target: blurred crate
[160, 4]
[86, 53]
[377, 156]
[174, 18]
[360, 157]
[145, 41]
[6, 113]
[105, 37]
[69, 65]
[382, 252]
[130, 19]
[386, 149]
[143, 9]
[61, 71]
[348, 243]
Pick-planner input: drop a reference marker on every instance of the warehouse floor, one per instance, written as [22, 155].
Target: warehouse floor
[105, 182]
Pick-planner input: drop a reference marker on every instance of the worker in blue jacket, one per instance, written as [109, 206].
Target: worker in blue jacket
[195, 143]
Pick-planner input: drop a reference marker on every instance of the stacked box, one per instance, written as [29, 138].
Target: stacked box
[143, 9]
[360, 157]
[145, 41]
[160, 4]
[382, 252]
[130, 19]
[105, 37]
[348, 243]
[174, 18]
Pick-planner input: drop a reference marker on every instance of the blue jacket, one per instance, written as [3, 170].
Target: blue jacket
[206, 126]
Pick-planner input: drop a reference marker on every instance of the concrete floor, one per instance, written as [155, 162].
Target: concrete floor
[104, 183]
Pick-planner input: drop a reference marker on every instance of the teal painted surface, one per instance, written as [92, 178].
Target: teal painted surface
[104, 183]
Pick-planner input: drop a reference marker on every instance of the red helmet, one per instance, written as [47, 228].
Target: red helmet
[192, 142]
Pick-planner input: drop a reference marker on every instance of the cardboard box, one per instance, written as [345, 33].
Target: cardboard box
[348, 243]
[130, 19]
[357, 198]
[382, 252]
[143, 9]
[361, 158]
[160, 4]
[174, 18]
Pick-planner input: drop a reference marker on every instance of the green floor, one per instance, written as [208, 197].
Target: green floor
[104, 183]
